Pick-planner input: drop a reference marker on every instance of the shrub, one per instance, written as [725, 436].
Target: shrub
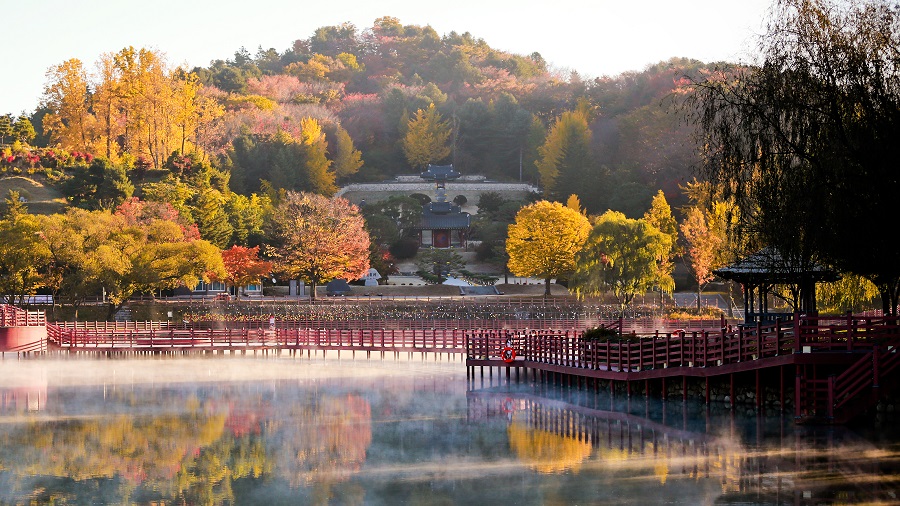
[706, 313]
[421, 198]
[428, 277]
[404, 248]
[485, 251]
[600, 334]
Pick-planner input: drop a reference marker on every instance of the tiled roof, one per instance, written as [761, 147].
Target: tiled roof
[440, 173]
[452, 221]
[443, 215]
[769, 264]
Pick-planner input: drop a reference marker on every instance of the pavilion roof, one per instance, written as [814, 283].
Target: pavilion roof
[769, 265]
[444, 216]
[440, 173]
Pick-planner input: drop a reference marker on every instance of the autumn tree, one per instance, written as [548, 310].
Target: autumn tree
[147, 258]
[801, 140]
[660, 216]
[106, 105]
[193, 110]
[319, 239]
[320, 177]
[142, 212]
[622, 255]
[702, 247]
[544, 240]
[66, 95]
[243, 266]
[850, 293]
[134, 105]
[566, 160]
[73, 240]
[23, 253]
[574, 203]
[346, 159]
[426, 139]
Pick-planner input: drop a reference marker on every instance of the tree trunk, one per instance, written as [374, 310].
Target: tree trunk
[113, 309]
[547, 287]
[312, 290]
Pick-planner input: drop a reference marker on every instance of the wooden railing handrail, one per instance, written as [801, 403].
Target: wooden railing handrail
[13, 316]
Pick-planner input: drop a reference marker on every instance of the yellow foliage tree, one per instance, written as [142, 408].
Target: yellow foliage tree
[66, 94]
[544, 241]
[660, 216]
[426, 138]
[138, 106]
[565, 159]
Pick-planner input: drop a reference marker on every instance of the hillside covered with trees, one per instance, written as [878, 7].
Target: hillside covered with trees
[337, 107]
[154, 162]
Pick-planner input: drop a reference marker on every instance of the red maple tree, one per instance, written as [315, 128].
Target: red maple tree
[243, 266]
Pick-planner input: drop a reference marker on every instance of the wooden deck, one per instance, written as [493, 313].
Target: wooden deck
[831, 367]
[839, 366]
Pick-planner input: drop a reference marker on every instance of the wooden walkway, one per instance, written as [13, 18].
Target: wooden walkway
[838, 366]
[828, 368]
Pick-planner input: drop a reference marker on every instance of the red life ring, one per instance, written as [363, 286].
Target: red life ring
[508, 354]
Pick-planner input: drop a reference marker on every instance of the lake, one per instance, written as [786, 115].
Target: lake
[249, 430]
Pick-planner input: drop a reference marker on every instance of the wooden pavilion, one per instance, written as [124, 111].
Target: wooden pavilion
[762, 271]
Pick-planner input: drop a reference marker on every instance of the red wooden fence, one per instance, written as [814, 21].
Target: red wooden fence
[12, 316]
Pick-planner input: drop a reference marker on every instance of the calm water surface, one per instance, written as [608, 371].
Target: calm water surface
[273, 431]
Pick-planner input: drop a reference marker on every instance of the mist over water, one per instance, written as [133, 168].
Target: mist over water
[250, 430]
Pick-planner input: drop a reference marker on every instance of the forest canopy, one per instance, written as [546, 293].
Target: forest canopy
[336, 107]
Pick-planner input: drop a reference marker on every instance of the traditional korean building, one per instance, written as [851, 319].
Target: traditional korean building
[444, 224]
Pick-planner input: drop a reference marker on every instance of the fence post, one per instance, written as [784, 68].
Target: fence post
[830, 408]
[851, 331]
[875, 372]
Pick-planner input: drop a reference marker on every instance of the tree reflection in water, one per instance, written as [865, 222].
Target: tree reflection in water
[287, 431]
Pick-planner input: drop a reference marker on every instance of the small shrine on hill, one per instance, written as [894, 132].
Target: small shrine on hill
[444, 224]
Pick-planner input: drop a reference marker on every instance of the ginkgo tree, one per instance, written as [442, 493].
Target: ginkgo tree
[544, 240]
[319, 239]
[427, 136]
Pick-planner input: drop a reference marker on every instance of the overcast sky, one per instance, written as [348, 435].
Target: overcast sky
[595, 38]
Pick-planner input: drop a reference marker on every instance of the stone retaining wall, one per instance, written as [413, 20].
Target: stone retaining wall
[374, 192]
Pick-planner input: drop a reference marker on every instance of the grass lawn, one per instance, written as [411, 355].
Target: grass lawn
[41, 199]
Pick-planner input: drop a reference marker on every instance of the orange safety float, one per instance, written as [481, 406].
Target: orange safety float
[508, 354]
